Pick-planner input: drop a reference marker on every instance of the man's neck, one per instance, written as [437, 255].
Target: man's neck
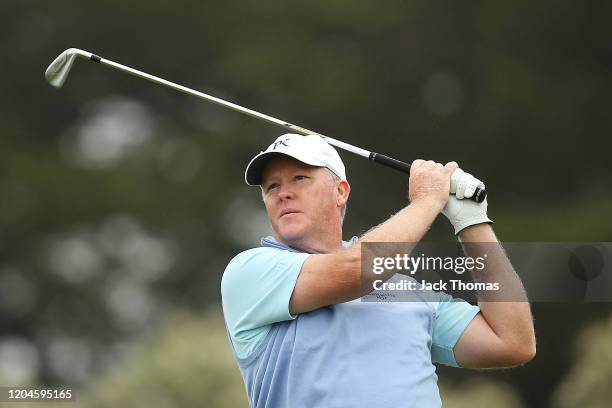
[318, 246]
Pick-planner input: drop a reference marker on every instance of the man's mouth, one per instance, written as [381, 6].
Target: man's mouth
[288, 211]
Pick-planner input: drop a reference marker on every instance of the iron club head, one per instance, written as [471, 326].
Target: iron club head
[58, 70]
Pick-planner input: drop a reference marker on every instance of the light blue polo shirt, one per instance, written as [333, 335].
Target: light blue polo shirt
[352, 354]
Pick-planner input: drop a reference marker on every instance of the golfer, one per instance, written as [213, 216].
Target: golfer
[300, 333]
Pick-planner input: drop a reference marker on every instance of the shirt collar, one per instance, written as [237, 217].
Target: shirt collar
[269, 241]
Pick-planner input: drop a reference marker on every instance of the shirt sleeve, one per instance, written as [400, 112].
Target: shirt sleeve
[451, 318]
[256, 288]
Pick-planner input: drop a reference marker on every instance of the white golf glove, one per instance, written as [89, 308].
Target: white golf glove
[461, 212]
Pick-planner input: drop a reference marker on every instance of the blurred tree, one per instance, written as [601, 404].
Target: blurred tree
[188, 365]
[588, 382]
[479, 393]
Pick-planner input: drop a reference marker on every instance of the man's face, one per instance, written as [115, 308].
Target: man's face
[301, 200]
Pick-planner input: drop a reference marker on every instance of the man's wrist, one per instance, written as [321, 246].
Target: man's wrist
[482, 232]
[429, 204]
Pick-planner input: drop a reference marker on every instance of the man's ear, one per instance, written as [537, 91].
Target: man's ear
[343, 190]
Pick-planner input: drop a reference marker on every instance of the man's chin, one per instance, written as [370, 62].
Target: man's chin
[291, 234]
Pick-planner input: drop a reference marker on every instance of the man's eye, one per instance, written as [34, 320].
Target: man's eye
[271, 186]
[301, 177]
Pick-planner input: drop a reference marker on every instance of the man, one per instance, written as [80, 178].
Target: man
[299, 331]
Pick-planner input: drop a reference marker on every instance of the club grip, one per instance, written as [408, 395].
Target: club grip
[479, 195]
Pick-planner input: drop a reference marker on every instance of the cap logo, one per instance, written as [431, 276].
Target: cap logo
[281, 142]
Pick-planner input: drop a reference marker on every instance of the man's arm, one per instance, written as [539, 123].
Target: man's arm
[502, 335]
[335, 278]
[328, 279]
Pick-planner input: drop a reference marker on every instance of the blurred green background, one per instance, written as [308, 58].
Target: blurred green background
[121, 202]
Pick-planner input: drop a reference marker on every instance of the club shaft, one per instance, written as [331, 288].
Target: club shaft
[478, 196]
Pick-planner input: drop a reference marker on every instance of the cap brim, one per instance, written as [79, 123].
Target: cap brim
[252, 175]
[255, 168]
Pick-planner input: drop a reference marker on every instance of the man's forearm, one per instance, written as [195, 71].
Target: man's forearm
[506, 311]
[407, 225]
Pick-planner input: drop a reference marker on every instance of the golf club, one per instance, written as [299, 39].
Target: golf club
[58, 71]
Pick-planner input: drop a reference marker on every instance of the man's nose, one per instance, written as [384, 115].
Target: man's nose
[286, 192]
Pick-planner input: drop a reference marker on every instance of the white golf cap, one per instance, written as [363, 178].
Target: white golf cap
[312, 150]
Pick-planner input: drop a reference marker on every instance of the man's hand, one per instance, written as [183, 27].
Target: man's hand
[430, 182]
[460, 212]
